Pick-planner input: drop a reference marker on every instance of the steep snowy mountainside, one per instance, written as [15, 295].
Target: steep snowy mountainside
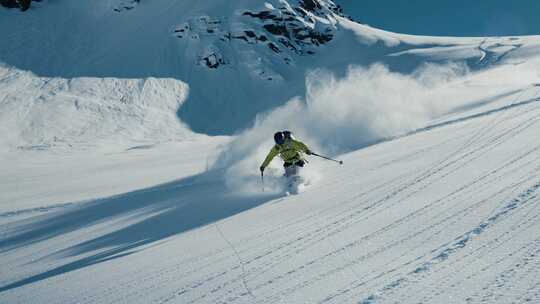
[239, 58]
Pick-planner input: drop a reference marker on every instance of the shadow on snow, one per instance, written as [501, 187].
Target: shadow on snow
[157, 212]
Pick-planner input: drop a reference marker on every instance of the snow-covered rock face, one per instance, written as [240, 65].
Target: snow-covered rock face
[285, 28]
[255, 52]
[239, 58]
[297, 29]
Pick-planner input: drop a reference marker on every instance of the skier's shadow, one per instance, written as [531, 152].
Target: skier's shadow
[164, 211]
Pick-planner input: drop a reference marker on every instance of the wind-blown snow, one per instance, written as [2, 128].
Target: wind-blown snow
[366, 106]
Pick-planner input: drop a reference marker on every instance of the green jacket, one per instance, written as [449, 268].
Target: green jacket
[289, 151]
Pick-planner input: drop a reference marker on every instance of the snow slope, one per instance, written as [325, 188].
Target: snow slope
[447, 214]
[108, 195]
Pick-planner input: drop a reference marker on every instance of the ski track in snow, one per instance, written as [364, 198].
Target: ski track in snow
[35, 210]
[398, 282]
[480, 143]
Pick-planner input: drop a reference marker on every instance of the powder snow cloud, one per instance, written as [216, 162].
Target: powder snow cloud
[368, 105]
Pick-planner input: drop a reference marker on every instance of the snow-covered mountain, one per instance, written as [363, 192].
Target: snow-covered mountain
[229, 52]
[239, 58]
[113, 187]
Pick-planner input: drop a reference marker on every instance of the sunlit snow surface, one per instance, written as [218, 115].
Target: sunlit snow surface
[106, 197]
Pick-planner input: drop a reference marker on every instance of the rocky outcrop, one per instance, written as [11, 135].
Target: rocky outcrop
[298, 28]
[288, 29]
[23, 5]
[125, 5]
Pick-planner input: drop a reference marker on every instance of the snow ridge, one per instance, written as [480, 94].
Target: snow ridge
[40, 113]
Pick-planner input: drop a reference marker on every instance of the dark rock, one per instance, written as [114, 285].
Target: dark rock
[274, 47]
[250, 34]
[287, 44]
[240, 37]
[9, 3]
[300, 11]
[126, 5]
[264, 15]
[277, 29]
[321, 38]
[22, 4]
[310, 5]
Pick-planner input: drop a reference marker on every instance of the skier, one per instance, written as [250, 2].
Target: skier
[290, 150]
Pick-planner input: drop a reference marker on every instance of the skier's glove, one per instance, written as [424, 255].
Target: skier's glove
[308, 152]
[262, 169]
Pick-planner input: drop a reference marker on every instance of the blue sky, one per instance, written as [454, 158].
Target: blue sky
[448, 18]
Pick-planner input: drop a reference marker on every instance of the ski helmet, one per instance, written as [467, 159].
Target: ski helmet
[279, 138]
[288, 134]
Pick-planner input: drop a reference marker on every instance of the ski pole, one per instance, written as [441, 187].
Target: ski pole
[328, 158]
[262, 179]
